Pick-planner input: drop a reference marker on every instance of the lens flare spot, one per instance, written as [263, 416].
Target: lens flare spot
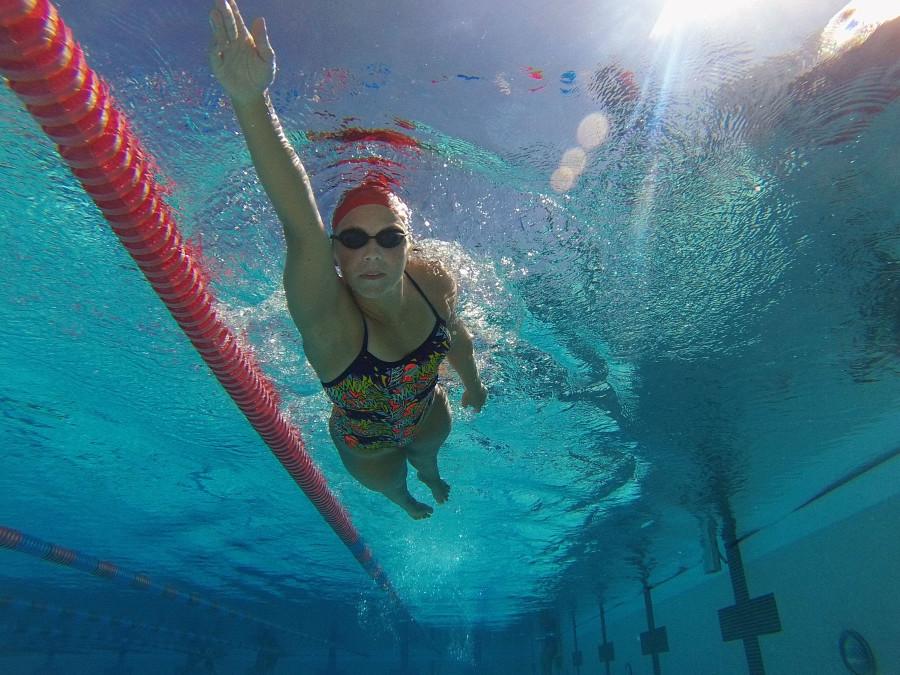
[563, 179]
[574, 159]
[593, 130]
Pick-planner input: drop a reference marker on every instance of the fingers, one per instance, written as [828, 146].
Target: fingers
[227, 17]
[228, 26]
[218, 29]
[261, 38]
[474, 406]
[239, 24]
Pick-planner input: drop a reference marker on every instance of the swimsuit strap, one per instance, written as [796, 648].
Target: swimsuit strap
[365, 345]
[433, 310]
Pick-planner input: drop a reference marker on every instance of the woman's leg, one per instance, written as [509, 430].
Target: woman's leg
[384, 472]
[430, 436]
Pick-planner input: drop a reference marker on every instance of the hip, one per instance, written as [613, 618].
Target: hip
[372, 436]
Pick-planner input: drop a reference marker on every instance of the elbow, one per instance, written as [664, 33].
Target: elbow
[461, 344]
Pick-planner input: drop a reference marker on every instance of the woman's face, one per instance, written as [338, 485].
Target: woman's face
[372, 270]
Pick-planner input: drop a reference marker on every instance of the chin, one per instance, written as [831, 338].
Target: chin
[373, 288]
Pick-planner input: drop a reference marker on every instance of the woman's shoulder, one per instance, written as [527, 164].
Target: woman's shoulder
[434, 279]
[432, 273]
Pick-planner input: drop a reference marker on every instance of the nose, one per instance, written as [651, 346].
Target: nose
[371, 250]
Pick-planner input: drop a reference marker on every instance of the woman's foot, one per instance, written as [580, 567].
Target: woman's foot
[416, 510]
[440, 488]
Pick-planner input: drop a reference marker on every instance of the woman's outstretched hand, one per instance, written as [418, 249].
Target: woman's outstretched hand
[242, 60]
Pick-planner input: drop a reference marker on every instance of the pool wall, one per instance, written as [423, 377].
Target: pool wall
[842, 574]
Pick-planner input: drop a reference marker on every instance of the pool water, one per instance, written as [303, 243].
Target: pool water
[676, 240]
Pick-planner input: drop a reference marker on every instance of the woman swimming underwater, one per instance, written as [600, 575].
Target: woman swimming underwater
[377, 333]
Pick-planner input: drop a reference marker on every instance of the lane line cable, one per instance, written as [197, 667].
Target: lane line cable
[20, 542]
[46, 68]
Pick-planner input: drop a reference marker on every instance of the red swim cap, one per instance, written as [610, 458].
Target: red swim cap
[364, 194]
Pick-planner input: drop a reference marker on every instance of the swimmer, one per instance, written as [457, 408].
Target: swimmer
[377, 333]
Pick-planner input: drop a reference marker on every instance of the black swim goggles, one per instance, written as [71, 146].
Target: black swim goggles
[354, 237]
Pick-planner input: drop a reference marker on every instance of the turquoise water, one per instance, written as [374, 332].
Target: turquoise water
[705, 313]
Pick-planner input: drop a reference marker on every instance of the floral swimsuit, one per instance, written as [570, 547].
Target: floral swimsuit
[377, 404]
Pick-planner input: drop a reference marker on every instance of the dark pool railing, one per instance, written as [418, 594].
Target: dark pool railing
[46, 68]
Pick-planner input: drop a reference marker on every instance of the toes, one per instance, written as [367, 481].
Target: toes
[418, 510]
[441, 492]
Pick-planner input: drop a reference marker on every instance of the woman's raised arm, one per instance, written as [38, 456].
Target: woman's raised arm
[244, 63]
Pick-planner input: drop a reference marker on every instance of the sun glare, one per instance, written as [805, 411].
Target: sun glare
[680, 13]
[855, 23]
